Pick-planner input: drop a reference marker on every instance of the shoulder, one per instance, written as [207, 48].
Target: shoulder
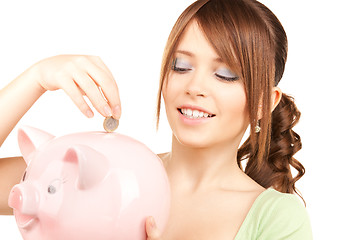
[282, 215]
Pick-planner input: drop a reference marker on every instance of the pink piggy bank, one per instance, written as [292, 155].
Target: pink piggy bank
[88, 186]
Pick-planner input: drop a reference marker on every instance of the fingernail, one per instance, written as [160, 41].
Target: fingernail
[89, 114]
[107, 111]
[117, 111]
[152, 223]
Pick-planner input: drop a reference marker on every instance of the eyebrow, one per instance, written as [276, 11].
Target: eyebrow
[185, 53]
[190, 54]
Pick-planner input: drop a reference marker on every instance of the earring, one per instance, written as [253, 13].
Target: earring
[257, 127]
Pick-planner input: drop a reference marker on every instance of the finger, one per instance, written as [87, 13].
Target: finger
[97, 61]
[76, 96]
[111, 93]
[92, 91]
[98, 71]
[153, 233]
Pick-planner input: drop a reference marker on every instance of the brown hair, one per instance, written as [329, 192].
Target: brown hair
[249, 38]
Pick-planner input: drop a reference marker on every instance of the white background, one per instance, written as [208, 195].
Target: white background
[129, 36]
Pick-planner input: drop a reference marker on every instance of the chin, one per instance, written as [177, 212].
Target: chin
[193, 140]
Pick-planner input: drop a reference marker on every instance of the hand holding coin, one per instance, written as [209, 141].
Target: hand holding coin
[110, 124]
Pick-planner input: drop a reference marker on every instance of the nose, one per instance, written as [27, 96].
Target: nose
[24, 199]
[197, 85]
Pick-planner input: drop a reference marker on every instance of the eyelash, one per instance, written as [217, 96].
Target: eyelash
[184, 70]
[180, 70]
[177, 69]
[229, 79]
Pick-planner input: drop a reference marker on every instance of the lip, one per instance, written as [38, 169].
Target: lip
[194, 121]
[193, 107]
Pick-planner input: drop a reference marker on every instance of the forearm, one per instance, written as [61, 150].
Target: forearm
[16, 99]
[12, 169]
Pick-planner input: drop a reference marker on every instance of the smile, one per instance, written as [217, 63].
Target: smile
[194, 114]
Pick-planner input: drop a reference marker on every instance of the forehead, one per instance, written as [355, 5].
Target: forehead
[193, 40]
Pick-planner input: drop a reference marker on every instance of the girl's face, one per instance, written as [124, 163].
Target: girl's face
[205, 101]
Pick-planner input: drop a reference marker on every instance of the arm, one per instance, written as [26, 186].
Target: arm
[77, 76]
[15, 100]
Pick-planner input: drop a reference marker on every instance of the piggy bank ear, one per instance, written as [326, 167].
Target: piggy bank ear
[30, 139]
[92, 165]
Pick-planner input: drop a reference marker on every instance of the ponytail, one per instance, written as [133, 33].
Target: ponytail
[275, 169]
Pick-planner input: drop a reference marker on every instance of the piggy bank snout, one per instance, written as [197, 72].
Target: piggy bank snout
[24, 199]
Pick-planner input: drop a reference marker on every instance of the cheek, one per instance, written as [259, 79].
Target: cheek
[172, 85]
[168, 98]
[171, 90]
[234, 105]
[165, 90]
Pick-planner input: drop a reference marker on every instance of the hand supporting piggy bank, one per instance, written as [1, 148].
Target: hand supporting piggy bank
[88, 186]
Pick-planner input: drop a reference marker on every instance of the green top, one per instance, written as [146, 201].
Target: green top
[274, 216]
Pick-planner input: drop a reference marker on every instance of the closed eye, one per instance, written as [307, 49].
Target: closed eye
[229, 79]
[181, 66]
[226, 74]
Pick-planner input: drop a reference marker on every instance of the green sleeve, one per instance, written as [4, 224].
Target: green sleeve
[287, 219]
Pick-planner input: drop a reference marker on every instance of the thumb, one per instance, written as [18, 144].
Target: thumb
[153, 233]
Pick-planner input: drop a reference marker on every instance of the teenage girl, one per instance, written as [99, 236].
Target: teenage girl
[220, 73]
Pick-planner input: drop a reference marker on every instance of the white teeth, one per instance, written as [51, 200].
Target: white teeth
[194, 113]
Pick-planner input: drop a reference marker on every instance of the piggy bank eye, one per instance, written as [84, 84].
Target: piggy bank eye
[51, 189]
[54, 186]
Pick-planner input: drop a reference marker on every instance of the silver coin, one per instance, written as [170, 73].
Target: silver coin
[110, 124]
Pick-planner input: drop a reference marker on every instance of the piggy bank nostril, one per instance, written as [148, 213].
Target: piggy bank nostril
[15, 199]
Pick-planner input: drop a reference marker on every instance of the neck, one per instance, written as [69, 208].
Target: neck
[202, 168]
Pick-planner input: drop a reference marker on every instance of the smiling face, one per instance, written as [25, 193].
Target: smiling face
[205, 101]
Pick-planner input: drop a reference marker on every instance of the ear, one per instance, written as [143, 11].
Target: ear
[30, 139]
[92, 165]
[275, 97]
